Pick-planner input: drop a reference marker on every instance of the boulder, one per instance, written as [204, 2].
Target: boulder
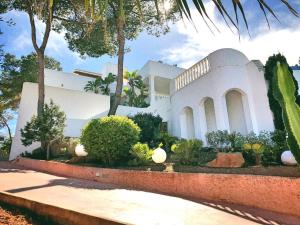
[227, 160]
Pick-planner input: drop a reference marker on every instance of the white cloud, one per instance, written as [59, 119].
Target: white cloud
[197, 44]
[57, 46]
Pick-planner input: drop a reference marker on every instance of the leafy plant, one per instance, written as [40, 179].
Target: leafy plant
[137, 91]
[46, 127]
[167, 140]
[150, 127]
[101, 85]
[5, 149]
[142, 154]
[109, 139]
[217, 139]
[186, 152]
[284, 93]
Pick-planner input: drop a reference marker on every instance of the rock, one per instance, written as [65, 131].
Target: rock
[287, 158]
[227, 160]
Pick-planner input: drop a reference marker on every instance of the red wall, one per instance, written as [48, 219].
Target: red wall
[279, 194]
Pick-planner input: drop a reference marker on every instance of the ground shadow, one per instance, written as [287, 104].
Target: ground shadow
[69, 182]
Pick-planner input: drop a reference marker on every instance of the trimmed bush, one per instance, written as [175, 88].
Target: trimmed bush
[167, 141]
[186, 152]
[142, 154]
[109, 139]
[150, 127]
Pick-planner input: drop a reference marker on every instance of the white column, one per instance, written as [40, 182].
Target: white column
[197, 122]
[221, 113]
[152, 89]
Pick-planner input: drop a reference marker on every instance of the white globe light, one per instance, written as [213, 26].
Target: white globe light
[79, 150]
[288, 158]
[159, 155]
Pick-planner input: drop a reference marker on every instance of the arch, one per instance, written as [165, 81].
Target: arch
[238, 111]
[187, 128]
[210, 115]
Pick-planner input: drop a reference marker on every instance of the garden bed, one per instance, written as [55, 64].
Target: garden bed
[10, 215]
[283, 171]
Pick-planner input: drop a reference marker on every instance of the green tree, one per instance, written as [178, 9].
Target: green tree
[47, 11]
[46, 127]
[106, 26]
[14, 72]
[275, 107]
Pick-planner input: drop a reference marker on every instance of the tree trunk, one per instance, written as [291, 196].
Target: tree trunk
[121, 45]
[41, 86]
[9, 131]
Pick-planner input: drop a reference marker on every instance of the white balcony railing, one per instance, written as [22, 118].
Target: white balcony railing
[191, 74]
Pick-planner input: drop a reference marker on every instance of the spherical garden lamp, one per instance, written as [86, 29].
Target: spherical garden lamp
[160, 156]
[79, 151]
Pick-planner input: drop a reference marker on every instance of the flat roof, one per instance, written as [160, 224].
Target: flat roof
[87, 73]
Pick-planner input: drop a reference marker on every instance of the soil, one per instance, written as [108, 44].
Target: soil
[10, 215]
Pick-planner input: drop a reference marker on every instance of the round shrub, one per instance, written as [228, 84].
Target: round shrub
[109, 139]
[150, 127]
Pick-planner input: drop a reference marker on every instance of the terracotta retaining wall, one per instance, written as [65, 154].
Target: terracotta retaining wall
[60, 215]
[278, 194]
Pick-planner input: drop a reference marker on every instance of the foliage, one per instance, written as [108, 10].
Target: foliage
[186, 152]
[225, 141]
[142, 154]
[5, 149]
[107, 25]
[167, 141]
[217, 139]
[109, 139]
[46, 11]
[45, 127]
[100, 84]
[284, 93]
[206, 155]
[266, 145]
[269, 74]
[150, 127]
[64, 147]
[37, 153]
[14, 72]
[136, 92]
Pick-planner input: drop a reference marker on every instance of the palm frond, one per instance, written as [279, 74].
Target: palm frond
[185, 5]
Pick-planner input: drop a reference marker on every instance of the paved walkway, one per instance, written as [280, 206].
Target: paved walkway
[129, 206]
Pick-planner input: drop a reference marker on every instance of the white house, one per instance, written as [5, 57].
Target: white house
[224, 91]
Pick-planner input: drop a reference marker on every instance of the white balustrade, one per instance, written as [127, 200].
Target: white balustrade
[191, 74]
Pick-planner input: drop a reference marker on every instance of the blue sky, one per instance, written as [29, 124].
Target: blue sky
[183, 45]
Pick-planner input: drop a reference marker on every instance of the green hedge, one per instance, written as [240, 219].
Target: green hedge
[109, 139]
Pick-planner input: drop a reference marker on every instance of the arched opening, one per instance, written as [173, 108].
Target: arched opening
[210, 116]
[187, 129]
[236, 112]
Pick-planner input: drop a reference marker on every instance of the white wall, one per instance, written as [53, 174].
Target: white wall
[229, 70]
[70, 81]
[160, 69]
[78, 106]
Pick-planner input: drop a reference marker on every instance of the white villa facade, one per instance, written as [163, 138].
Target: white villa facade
[223, 91]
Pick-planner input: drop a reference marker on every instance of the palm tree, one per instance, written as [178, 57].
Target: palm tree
[100, 84]
[184, 9]
[93, 86]
[104, 86]
[135, 83]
